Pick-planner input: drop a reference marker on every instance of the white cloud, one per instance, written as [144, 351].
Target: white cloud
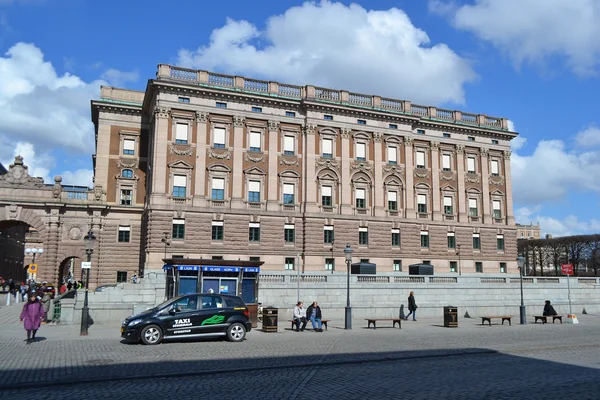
[80, 177]
[518, 143]
[589, 137]
[119, 78]
[382, 53]
[533, 31]
[568, 226]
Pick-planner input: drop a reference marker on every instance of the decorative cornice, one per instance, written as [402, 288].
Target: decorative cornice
[181, 152]
[225, 155]
[408, 141]
[310, 129]
[162, 112]
[327, 163]
[377, 137]
[364, 166]
[496, 180]
[421, 174]
[18, 176]
[460, 149]
[260, 157]
[484, 152]
[273, 125]
[345, 133]
[435, 145]
[391, 169]
[201, 117]
[289, 160]
[238, 121]
[123, 163]
[472, 178]
[447, 175]
[507, 154]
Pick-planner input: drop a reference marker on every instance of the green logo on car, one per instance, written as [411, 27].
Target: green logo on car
[215, 319]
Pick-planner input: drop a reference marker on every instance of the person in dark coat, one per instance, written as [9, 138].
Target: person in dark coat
[32, 316]
[412, 307]
[314, 315]
[548, 309]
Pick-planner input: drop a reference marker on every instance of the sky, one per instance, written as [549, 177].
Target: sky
[535, 62]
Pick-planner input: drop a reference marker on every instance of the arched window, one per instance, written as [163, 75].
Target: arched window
[127, 173]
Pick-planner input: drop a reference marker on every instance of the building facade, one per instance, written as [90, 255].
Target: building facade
[205, 165]
[528, 231]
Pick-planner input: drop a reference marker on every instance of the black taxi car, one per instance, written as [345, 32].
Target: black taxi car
[190, 316]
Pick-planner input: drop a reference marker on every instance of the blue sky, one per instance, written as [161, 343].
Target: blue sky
[535, 62]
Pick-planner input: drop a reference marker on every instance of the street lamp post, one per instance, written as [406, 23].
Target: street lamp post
[166, 241]
[90, 241]
[520, 263]
[348, 320]
[458, 254]
[33, 252]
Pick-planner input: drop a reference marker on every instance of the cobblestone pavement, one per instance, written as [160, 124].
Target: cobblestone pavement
[421, 361]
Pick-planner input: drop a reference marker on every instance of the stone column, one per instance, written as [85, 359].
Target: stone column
[485, 186]
[378, 189]
[272, 203]
[237, 194]
[310, 183]
[346, 195]
[160, 189]
[410, 185]
[510, 218]
[50, 256]
[435, 181]
[461, 196]
[200, 170]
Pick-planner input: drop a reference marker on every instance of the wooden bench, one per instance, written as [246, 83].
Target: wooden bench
[544, 318]
[503, 317]
[323, 321]
[373, 321]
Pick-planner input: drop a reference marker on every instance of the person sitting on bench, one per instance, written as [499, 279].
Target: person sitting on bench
[314, 314]
[548, 309]
[300, 316]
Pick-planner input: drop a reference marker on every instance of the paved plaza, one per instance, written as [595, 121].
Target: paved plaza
[423, 360]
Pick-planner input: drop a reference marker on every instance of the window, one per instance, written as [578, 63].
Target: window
[124, 234]
[126, 197]
[289, 233]
[494, 167]
[479, 266]
[471, 164]
[421, 131]
[503, 267]
[397, 265]
[476, 241]
[127, 173]
[453, 267]
[392, 153]
[181, 133]
[446, 162]
[361, 151]
[420, 159]
[255, 141]
[500, 242]
[363, 236]
[446, 135]
[326, 199]
[254, 191]
[327, 148]
[451, 240]
[217, 230]
[364, 260]
[216, 257]
[254, 259]
[178, 229]
[329, 264]
[289, 263]
[494, 141]
[361, 122]
[424, 240]
[179, 185]
[257, 109]
[496, 208]
[288, 145]
[183, 99]
[396, 237]
[290, 114]
[288, 193]
[422, 203]
[471, 138]
[328, 236]
[121, 276]
[393, 126]
[219, 137]
[448, 205]
[254, 232]
[393, 201]
[218, 189]
[328, 117]
[473, 207]
[221, 104]
[360, 198]
[129, 147]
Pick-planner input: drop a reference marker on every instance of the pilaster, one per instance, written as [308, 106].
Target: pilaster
[510, 218]
[237, 198]
[460, 177]
[200, 170]
[160, 191]
[378, 189]
[272, 203]
[435, 180]
[410, 184]
[485, 181]
[310, 187]
[346, 197]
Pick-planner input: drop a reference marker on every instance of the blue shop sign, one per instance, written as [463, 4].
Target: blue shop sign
[252, 269]
[188, 267]
[220, 269]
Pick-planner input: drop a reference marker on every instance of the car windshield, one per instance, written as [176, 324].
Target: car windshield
[166, 304]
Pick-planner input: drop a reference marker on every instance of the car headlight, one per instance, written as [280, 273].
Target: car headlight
[134, 322]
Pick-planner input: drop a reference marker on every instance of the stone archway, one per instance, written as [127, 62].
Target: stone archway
[70, 264]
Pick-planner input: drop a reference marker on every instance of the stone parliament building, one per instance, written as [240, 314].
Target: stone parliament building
[208, 166]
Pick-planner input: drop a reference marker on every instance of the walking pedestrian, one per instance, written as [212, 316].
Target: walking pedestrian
[32, 316]
[46, 303]
[412, 307]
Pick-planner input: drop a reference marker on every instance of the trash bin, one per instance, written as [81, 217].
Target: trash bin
[270, 319]
[450, 317]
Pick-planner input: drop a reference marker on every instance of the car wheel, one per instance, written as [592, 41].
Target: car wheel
[236, 332]
[151, 335]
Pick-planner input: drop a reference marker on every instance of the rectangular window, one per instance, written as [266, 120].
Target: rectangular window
[254, 232]
[494, 141]
[178, 229]
[446, 135]
[361, 122]
[218, 189]
[471, 164]
[328, 235]
[453, 266]
[254, 259]
[451, 240]
[290, 114]
[216, 257]
[217, 230]
[471, 138]
[396, 237]
[126, 197]
[254, 191]
[183, 99]
[360, 198]
[289, 263]
[497, 209]
[219, 137]
[424, 240]
[361, 151]
[255, 140]
[500, 242]
[327, 148]
[288, 146]
[289, 233]
[420, 159]
[129, 147]
[326, 199]
[478, 267]
[329, 264]
[288, 193]
[363, 236]
[476, 241]
[397, 265]
[422, 203]
[448, 209]
[446, 162]
[257, 109]
[121, 276]
[494, 168]
[328, 117]
[393, 126]
[420, 131]
[221, 104]
[392, 153]
[124, 234]
[473, 208]
[503, 267]
[179, 185]
[393, 201]
[181, 133]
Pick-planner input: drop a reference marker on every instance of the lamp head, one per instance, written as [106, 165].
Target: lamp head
[90, 241]
[348, 252]
[520, 261]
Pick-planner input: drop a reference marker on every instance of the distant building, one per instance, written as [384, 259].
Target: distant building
[2, 169]
[530, 231]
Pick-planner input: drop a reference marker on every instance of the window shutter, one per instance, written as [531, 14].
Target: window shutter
[255, 139]
[392, 196]
[288, 143]
[181, 131]
[288, 188]
[218, 183]
[392, 154]
[446, 161]
[327, 146]
[448, 201]
[219, 136]
[420, 158]
[180, 180]
[129, 144]
[360, 150]
[254, 186]
[360, 193]
[421, 199]
[326, 191]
